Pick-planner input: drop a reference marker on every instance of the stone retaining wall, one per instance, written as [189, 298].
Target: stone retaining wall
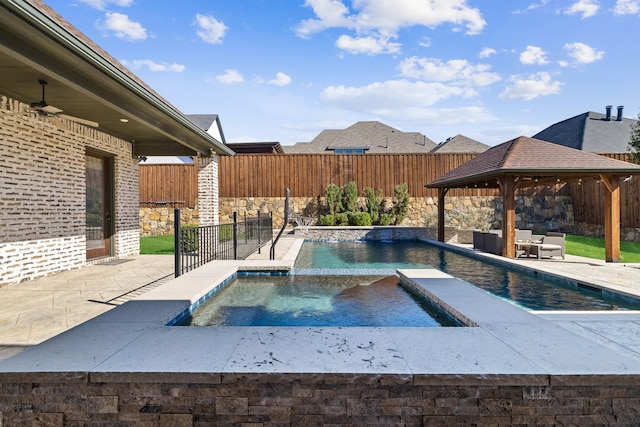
[261, 399]
[538, 213]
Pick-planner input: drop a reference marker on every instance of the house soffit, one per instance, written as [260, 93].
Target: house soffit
[84, 81]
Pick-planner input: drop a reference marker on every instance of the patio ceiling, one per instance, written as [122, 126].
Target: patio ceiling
[86, 82]
[529, 162]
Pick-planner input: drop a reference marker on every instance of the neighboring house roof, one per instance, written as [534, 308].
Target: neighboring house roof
[256, 147]
[534, 159]
[370, 136]
[460, 144]
[85, 81]
[593, 132]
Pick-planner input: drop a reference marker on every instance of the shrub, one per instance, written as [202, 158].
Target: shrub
[189, 238]
[386, 219]
[374, 203]
[226, 232]
[400, 202]
[360, 219]
[327, 220]
[342, 219]
[350, 197]
[334, 198]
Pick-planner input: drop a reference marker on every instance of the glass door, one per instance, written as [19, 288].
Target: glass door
[99, 206]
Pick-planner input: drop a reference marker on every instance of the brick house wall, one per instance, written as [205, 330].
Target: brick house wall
[42, 193]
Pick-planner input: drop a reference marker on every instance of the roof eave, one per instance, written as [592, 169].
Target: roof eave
[100, 77]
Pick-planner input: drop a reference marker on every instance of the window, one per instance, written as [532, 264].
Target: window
[349, 151]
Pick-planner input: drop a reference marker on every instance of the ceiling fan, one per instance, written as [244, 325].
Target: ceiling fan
[49, 110]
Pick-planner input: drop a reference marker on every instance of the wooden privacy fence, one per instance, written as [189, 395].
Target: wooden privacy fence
[174, 185]
[308, 175]
[588, 200]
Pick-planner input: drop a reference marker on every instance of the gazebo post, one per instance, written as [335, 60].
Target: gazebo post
[508, 190]
[611, 218]
[442, 192]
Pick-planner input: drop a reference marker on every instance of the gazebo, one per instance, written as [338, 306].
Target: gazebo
[528, 162]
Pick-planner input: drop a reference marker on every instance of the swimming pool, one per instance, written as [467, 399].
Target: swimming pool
[317, 301]
[522, 288]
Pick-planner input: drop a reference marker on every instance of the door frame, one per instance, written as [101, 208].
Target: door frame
[108, 213]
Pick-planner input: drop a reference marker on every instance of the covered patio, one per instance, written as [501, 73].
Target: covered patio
[528, 162]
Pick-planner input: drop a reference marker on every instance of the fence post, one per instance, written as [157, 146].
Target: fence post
[235, 235]
[176, 242]
[259, 233]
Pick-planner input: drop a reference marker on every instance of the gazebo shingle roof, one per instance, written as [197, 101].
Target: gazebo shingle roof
[532, 157]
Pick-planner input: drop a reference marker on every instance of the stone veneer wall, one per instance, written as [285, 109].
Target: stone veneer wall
[160, 221]
[540, 213]
[42, 194]
[315, 399]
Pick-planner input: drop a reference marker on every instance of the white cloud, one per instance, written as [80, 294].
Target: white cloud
[533, 6]
[392, 94]
[154, 66]
[581, 53]
[281, 80]
[457, 71]
[375, 22]
[406, 101]
[533, 55]
[102, 4]
[329, 13]
[210, 30]
[367, 45]
[587, 8]
[627, 7]
[487, 52]
[531, 87]
[123, 27]
[230, 77]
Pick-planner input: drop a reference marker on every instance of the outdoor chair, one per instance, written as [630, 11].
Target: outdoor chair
[478, 240]
[493, 242]
[552, 245]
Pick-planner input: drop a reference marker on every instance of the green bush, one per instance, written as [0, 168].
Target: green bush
[386, 219]
[350, 197]
[360, 219]
[225, 232]
[342, 219]
[334, 198]
[400, 202]
[189, 238]
[327, 220]
[374, 203]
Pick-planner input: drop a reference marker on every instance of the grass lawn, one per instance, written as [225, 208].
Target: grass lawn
[156, 245]
[592, 247]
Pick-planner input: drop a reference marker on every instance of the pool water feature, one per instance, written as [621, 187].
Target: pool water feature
[345, 301]
[522, 288]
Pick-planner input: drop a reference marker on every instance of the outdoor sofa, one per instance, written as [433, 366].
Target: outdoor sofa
[552, 245]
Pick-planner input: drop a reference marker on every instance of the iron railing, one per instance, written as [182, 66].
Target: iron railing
[196, 246]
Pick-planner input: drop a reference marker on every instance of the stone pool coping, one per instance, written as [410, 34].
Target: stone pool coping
[504, 339]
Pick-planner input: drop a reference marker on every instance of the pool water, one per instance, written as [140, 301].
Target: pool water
[524, 289]
[316, 301]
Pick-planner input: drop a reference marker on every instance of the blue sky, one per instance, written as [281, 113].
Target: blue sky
[283, 70]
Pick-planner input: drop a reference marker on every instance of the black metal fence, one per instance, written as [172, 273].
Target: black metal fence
[196, 246]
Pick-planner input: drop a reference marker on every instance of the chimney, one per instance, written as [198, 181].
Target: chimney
[619, 117]
[608, 118]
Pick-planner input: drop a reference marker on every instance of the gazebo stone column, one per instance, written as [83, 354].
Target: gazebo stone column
[611, 218]
[208, 198]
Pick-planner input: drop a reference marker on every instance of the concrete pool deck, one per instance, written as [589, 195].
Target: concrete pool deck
[129, 336]
[123, 366]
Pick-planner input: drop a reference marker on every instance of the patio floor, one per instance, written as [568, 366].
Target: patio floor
[38, 310]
